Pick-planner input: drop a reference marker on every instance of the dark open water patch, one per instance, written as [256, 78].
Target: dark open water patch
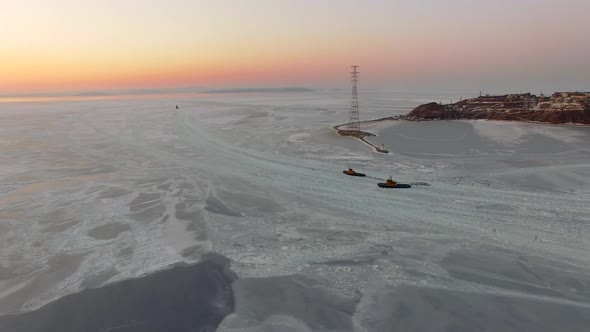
[208, 296]
[108, 231]
[182, 298]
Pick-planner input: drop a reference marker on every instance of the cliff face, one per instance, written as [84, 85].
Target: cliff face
[429, 111]
[559, 108]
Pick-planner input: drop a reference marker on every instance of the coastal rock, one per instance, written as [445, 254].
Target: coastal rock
[429, 111]
[561, 107]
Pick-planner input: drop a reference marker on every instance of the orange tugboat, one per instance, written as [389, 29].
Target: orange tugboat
[392, 184]
[351, 172]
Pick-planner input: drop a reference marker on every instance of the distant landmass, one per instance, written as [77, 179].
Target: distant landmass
[559, 108]
[122, 92]
[91, 94]
[260, 90]
[137, 92]
[104, 93]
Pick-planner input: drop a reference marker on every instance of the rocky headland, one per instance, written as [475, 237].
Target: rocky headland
[559, 108]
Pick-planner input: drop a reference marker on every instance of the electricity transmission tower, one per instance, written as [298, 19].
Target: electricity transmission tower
[354, 122]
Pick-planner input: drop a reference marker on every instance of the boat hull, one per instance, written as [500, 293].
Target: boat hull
[355, 174]
[398, 186]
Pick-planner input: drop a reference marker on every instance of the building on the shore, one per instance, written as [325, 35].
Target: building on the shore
[571, 94]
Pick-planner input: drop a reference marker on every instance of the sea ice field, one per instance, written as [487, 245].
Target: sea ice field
[104, 193]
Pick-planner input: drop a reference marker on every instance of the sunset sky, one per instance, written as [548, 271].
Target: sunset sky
[497, 45]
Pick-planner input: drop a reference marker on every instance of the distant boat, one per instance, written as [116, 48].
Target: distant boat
[351, 172]
[177, 107]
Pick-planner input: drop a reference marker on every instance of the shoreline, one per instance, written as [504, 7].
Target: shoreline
[361, 135]
[559, 108]
[566, 124]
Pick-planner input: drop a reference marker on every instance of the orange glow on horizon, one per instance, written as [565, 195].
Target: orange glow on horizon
[87, 45]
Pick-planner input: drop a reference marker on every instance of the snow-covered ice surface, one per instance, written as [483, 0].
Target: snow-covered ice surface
[92, 192]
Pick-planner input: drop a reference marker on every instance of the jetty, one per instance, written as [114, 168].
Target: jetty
[342, 130]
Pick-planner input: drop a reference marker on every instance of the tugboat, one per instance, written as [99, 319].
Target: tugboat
[351, 172]
[392, 184]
